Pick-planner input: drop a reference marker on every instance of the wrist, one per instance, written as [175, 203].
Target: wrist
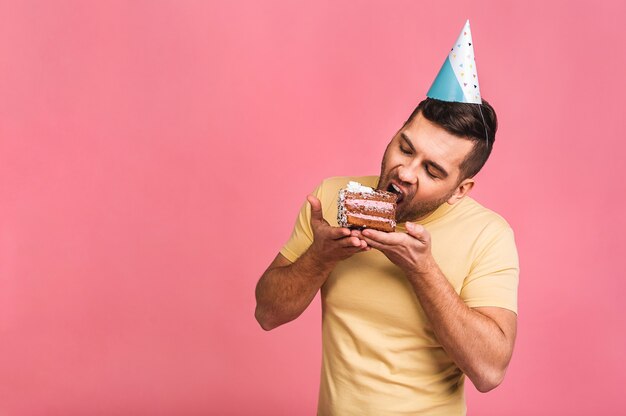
[426, 267]
[318, 261]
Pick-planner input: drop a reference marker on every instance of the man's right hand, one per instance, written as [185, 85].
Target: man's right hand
[285, 289]
[331, 244]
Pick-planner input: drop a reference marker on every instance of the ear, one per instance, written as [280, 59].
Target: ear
[463, 189]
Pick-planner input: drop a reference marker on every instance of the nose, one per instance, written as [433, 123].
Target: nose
[407, 174]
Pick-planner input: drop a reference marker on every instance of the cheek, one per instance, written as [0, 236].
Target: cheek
[386, 165]
[427, 188]
[434, 191]
[393, 160]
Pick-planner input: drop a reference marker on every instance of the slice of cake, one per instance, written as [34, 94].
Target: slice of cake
[361, 206]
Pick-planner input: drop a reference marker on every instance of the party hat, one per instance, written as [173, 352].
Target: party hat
[457, 79]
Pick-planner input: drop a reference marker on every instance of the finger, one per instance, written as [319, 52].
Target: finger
[356, 233]
[337, 233]
[382, 237]
[374, 244]
[417, 231]
[354, 250]
[350, 242]
[362, 244]
[316, 208]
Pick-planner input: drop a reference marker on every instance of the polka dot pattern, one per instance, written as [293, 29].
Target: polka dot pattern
[461, 57]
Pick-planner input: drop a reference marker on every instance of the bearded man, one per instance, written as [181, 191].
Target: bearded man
[407, 315]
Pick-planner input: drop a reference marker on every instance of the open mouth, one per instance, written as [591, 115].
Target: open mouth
[393, 188]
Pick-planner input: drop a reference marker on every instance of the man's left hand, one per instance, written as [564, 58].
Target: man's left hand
[410, 251]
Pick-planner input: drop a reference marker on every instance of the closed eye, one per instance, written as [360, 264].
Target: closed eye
[429, 173]
[434, 171]
[406, 146]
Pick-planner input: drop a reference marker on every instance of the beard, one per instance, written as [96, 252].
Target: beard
[418, 210]
[408, 209]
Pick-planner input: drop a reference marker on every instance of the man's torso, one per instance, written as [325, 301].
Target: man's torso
[380, 355]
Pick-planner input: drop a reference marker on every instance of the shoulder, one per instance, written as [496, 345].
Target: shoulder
[476, 225]
[470, 210]
[483, 234]
[489, 230]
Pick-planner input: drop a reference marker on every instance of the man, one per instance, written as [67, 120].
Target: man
[407, 314]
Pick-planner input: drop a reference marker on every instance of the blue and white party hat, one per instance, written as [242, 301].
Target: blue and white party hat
[457, 79]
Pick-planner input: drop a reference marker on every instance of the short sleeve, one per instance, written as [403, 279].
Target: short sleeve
[302, 234]
[494, 275]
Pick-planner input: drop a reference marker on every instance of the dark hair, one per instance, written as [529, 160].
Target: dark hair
[469, 121]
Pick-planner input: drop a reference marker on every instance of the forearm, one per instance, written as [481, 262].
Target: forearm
[283, 293]
[474, 341]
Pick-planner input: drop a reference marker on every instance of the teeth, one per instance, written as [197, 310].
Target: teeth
[396, 188]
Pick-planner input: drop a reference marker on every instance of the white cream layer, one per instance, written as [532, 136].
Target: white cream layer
[357, 187]
[367, 203]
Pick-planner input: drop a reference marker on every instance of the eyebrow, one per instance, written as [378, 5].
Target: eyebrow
[407, 140]
[435, 165]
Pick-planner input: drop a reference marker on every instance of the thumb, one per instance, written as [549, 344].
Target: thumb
[316, 208]
[417, 231]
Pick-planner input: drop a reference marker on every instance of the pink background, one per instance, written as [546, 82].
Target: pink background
[154, 154]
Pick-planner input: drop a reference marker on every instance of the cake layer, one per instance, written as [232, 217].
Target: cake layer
[370, 221]
[372, 196]
[361, 206]
[380, 208]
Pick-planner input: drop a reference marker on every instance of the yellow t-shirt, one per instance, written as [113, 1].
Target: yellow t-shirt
[380, 355]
